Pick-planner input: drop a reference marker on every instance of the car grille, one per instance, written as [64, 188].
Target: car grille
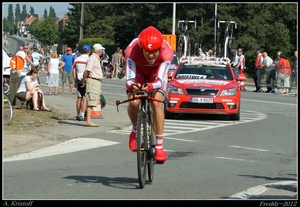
[201, 105]
[202, 91]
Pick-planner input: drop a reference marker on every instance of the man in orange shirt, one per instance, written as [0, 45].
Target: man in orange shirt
[258, 69]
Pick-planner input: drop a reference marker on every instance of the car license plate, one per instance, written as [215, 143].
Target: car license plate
[201, 100]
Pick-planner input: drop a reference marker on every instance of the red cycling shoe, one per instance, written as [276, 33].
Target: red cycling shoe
[132, 141]
[160, 156]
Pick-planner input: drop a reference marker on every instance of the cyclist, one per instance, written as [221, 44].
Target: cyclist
[149, 55]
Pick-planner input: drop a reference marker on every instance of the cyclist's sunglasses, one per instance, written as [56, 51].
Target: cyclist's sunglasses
[151, 52]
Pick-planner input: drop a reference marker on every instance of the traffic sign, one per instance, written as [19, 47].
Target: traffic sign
[17, 63]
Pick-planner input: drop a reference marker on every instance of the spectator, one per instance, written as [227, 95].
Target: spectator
[201, 53]
[68, 59]
[116, 61]
[78, 69]
[104, 61]
[257, 70]
[29, 88]
[122, 63]
[284, 72]
[76, 53]
[295, 69]
[210, 53]
[16, 77]
[55, 65]
[269, 67]
[235, 62]
[277, 69]
[37, 58]
[92, 77]
[241, 66]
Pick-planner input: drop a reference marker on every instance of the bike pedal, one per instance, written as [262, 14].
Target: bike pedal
[159, 162]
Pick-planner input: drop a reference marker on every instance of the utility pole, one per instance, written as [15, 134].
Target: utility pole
[81, 22]
[215, 38]
[174, 18]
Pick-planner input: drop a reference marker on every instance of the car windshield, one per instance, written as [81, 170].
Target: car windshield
[175, 60]
[204, 72]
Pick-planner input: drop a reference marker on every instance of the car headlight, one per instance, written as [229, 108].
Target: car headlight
[229, 92]
[175, 90]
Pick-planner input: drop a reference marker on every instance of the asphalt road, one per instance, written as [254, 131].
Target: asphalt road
[209, 158]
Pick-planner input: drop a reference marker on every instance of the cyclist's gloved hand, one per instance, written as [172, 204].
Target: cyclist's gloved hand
[135, 87]
[148, 87]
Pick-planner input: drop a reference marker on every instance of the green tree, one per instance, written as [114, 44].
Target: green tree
[46, 31]
[17, 18]
[24, 10]
[45, 14]
[10, 19]
[31, 10]
[52, 12]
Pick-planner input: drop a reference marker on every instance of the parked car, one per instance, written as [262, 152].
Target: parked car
[203, 86]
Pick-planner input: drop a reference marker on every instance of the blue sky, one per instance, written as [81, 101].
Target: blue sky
[39, 7]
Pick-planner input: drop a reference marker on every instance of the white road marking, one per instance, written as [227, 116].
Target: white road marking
[69, 146]
[249, 148]
[174, 126]
[258, 190]
[228, 158]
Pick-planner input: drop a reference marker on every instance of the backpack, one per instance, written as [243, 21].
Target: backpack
[29, 103]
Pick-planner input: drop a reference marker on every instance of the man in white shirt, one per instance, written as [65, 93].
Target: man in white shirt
[269, 67]
[78, 70]
[36, 56]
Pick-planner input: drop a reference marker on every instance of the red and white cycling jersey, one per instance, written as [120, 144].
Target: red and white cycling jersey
[137, 67]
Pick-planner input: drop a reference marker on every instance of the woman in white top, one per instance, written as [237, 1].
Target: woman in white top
[55, 66]
[29, 88]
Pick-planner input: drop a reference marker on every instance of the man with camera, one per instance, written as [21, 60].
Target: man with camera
[78, 69]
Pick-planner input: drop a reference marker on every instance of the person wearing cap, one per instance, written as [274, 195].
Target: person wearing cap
[148, 56]
[78, 69]
[201, 53]
[68, 59]
[257, 70]
[92, 77]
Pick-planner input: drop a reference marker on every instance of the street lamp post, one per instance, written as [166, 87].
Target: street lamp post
[81, 22]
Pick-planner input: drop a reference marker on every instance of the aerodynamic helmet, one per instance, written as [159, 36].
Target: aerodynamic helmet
[150, 39]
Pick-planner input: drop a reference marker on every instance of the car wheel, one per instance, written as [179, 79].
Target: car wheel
[235, 117]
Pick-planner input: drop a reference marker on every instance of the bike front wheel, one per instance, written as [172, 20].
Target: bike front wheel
[141, 148]
[7, 110]
[151, 152]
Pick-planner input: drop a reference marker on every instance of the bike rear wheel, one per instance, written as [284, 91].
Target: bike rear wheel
[141, 148]
[7, 110]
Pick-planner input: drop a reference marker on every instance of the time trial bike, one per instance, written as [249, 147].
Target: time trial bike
[145, 136]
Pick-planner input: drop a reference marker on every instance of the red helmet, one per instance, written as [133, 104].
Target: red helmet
[150, 39]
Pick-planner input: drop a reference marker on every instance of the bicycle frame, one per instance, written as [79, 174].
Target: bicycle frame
[145, 136]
